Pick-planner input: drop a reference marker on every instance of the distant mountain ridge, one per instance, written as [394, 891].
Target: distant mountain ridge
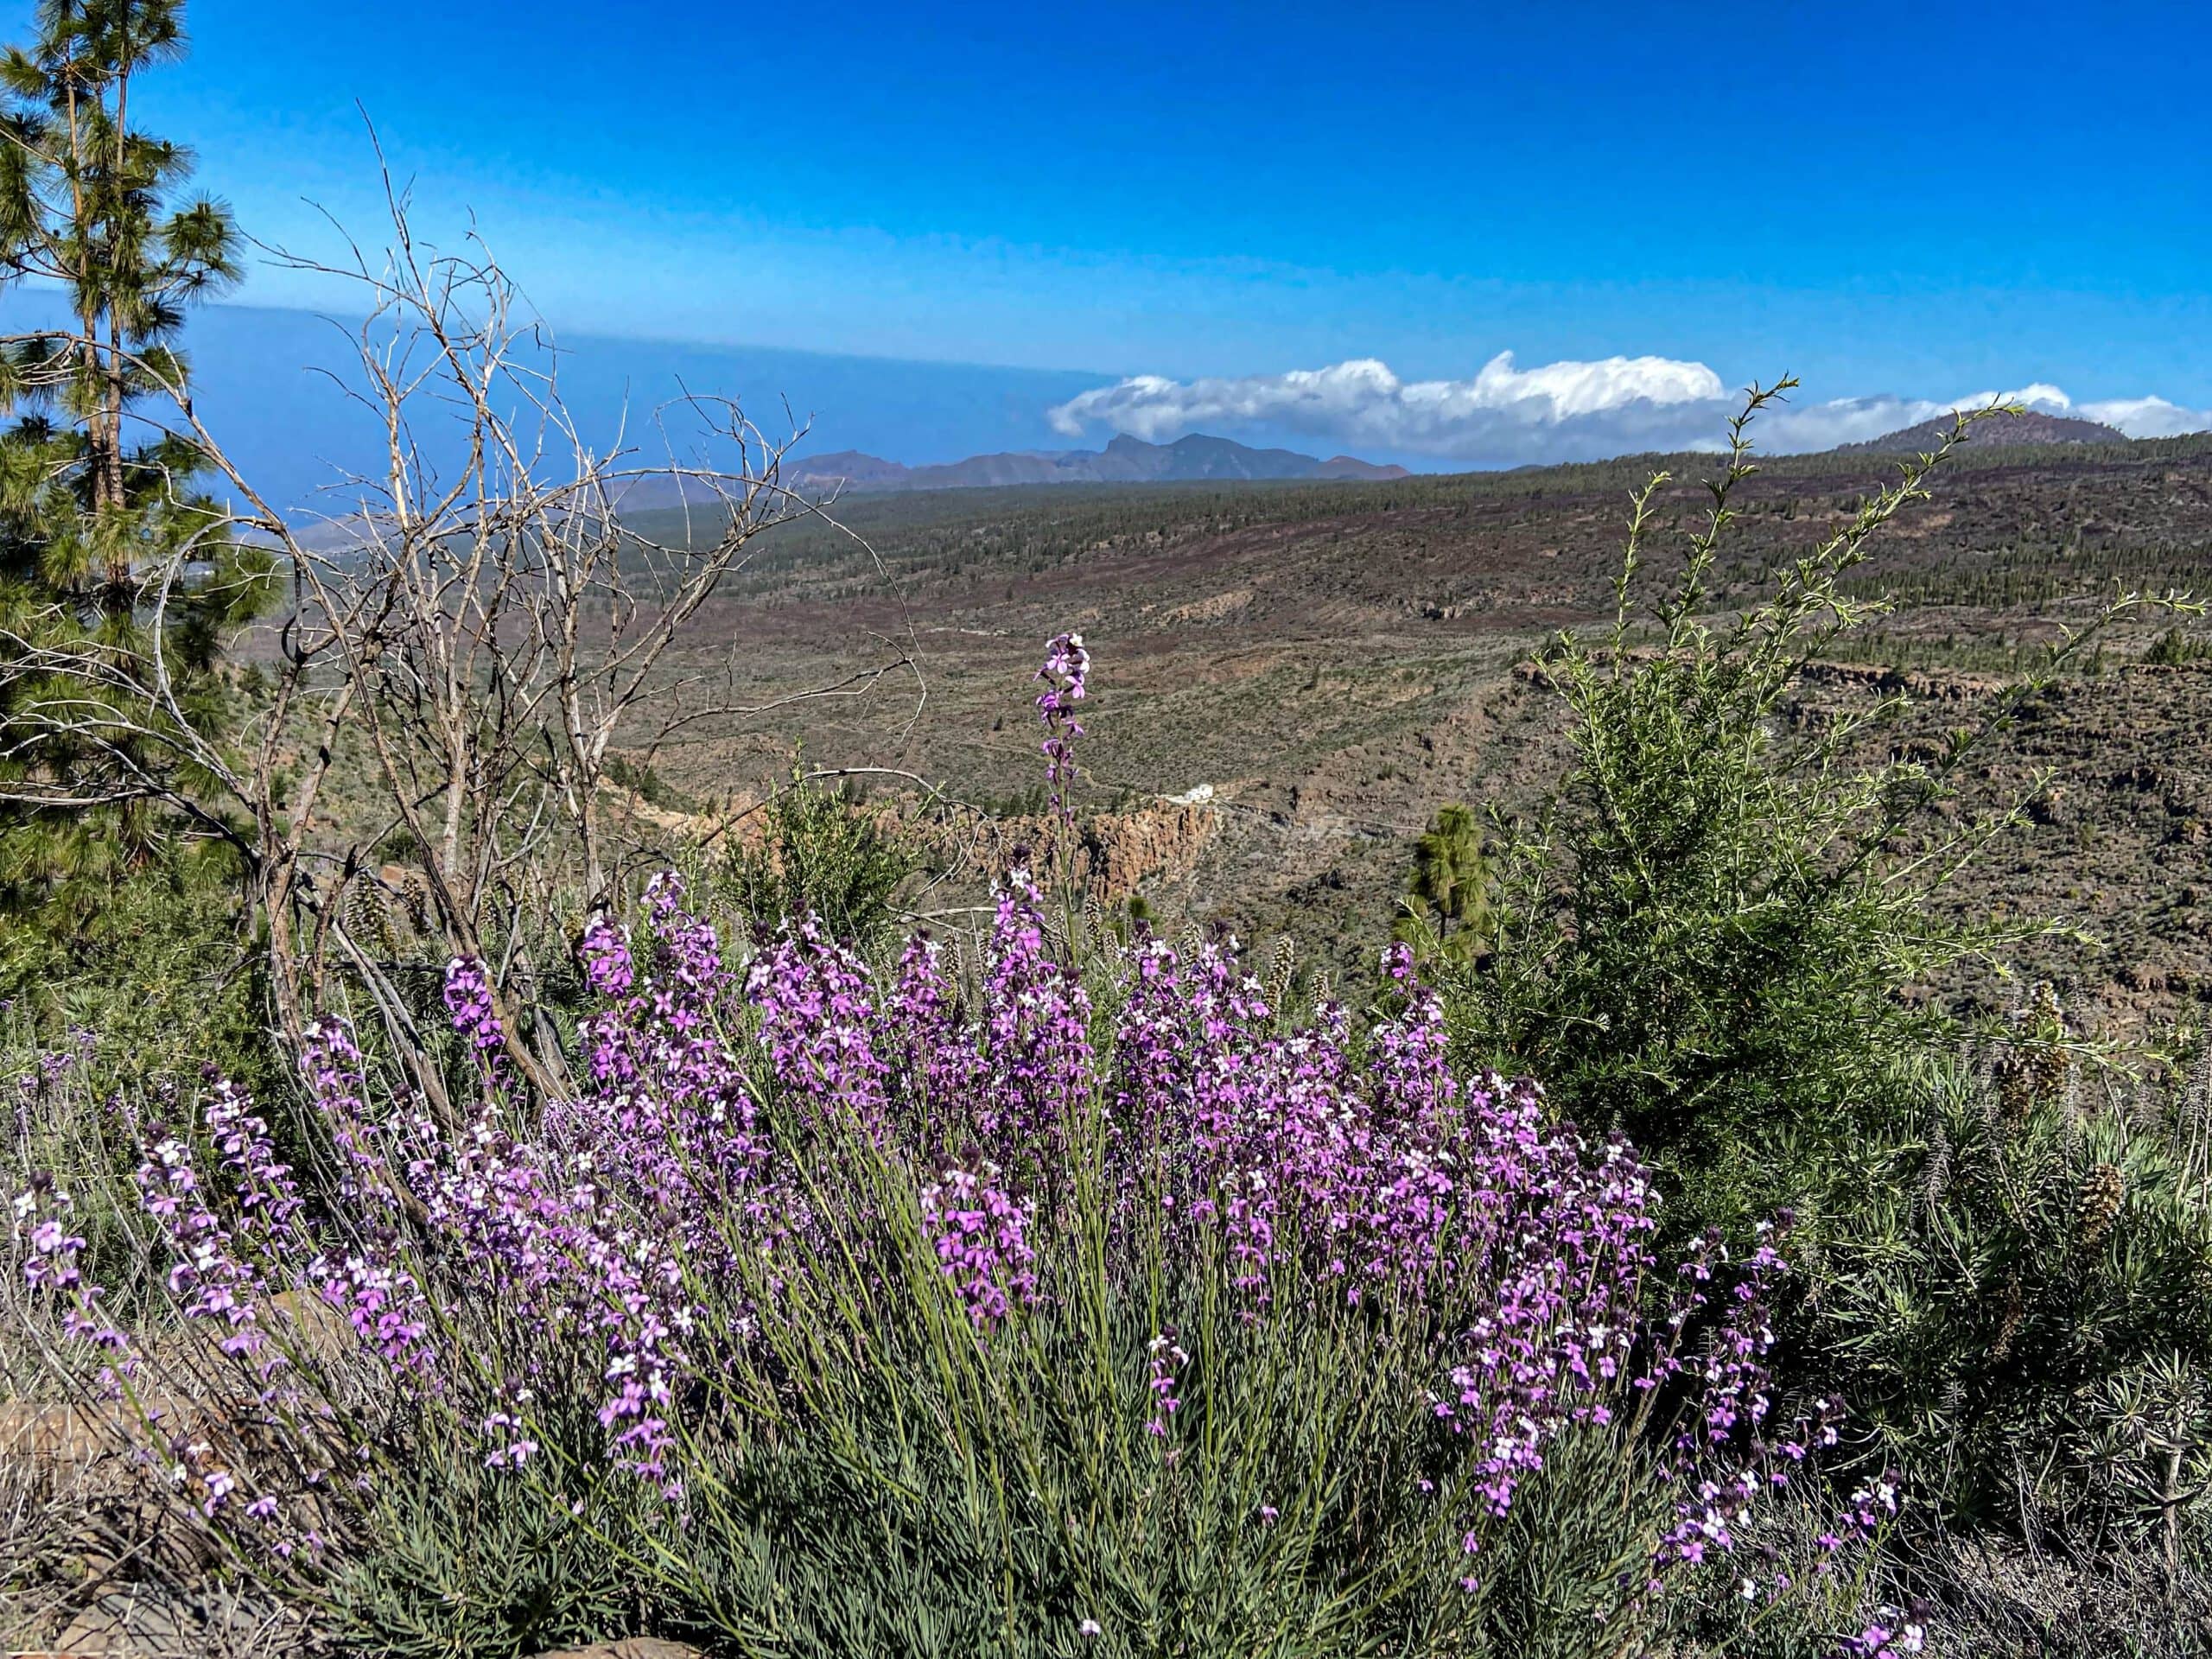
[1124, 460]
[2033, 427]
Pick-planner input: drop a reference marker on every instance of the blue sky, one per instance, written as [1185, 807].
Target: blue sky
[1910, 205]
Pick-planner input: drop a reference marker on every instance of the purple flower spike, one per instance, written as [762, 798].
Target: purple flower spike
[1065, 674]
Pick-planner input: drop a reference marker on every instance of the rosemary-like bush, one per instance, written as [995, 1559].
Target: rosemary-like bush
[1077, 1299]
[1702, 938]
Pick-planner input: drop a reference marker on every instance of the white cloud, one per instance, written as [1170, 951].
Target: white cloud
[1556, 411]
[2139, 417]
[2145, 417]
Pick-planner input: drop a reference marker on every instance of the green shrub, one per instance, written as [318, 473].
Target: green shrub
[1703, 938]
[460, 1564]
[165, 967]
[1708, 938]
[2176, 647]
[822, 852]
[2023, 1297]
[642, 780]
[844, 1312]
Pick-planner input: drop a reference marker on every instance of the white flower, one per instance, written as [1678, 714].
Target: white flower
[1088, 1627]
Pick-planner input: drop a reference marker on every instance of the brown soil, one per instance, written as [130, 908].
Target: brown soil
[1328, 664]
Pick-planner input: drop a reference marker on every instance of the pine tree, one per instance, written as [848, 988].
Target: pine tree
[1446, 906]
[113, 567]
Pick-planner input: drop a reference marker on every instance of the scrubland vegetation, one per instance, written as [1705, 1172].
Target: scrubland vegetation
[482, 1181]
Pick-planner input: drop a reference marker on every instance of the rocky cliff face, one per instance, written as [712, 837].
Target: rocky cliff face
[1111, 856]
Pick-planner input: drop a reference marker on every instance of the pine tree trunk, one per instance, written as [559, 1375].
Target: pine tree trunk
[107, 456]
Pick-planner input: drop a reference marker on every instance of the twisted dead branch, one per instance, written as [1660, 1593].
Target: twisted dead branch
[474, 632]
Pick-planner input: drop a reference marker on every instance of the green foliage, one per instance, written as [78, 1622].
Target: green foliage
[821, 852]
[641, 780]
[1704, 937]
[162, 980]
[460, 1563]
[115, 573]
[2176, 647]
[1446, 906]
[2020, 1300]
[1708, 938]
[1132, 919]
[961, 1494]
[166, 969]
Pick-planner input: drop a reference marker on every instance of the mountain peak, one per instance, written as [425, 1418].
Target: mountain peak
[1194, 457]
[2032, 427]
